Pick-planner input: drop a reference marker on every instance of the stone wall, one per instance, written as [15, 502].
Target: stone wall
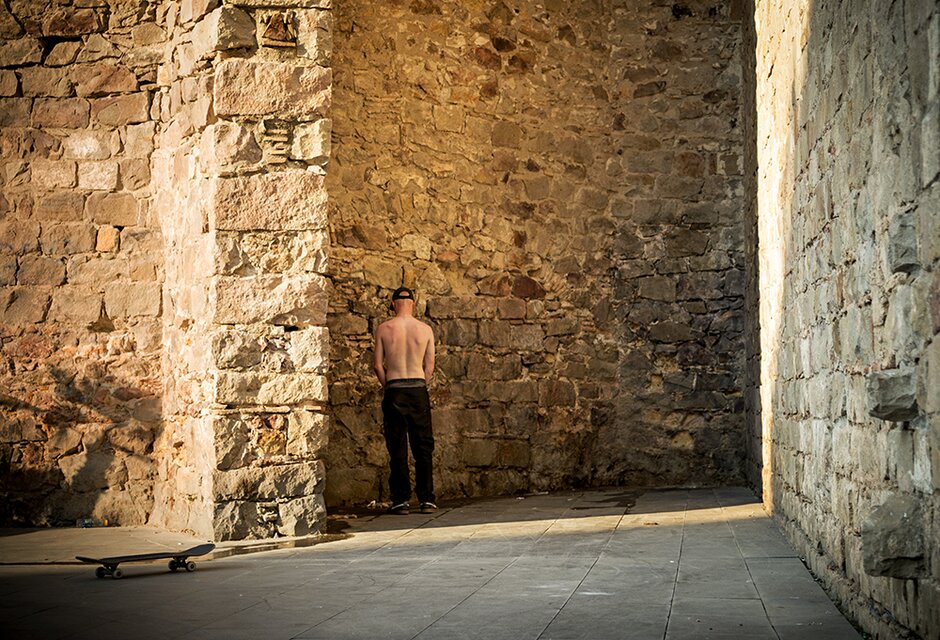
[80, 263]
[848, 139]
[561, 182]
[218, 429]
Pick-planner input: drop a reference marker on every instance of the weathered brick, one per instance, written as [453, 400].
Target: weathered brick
[75, 304]
[22, 305]
[118, 209]
[275, 201]
[67, 113]
[98, 175]
[250, 88]
[116, 111]
[42, 270]
[67, 238]
[129, 299]
[103, 78]
[52, 174]
[43, 81]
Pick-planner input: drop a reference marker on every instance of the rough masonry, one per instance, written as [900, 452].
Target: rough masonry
[163, 253]
[847, 193]
[561, 182]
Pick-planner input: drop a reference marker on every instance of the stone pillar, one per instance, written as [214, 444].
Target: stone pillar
[246, 91]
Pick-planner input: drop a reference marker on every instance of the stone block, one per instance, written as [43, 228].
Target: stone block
[90, 471]
[460, 333]
[98, 175]
[129, 299]
[75, 304]
[902, 243]
[479, 452]
[657, 288]
[225, 28]
[71, 21]
[493, 333]
[42, 270]
[307, 433]
[108, 239]
[671, 332]
[15, 53]
[8, 83]
[67, 238]
[287, 4]
[511, 308]
[88, 145]
[528, 337]
[18, 236]
[14, 112]
[237, 520]
[103, 78]
[557, 393]
[297, 300]
[506, 134]
[117, 209]
[61, 205]
[514, 453]
[259, 388]
[269, 483]
[301, 516]
[135, 173]
[116, 111]
[892, 394]
[91, 270]
[63, 53]
[225, 143]
[7, 270]
[527, 288]
[269, 201]
[43, 81]
[52, 174]
[315, 35]
[66, 113]
[310, 349]
[311, 142]
[23, 305]
[252, 88]
[893, 539]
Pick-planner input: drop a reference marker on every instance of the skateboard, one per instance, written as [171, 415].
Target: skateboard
[178, 560]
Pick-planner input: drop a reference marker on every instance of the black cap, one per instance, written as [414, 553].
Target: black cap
[403, 293]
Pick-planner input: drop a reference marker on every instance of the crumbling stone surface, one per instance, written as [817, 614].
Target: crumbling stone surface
[80, 303]
[846, 209]
[162, 264]
[893, 539]
[561, 183]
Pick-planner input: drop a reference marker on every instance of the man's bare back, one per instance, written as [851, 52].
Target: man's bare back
[404, 346]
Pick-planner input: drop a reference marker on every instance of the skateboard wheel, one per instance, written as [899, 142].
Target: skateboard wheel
[172, 565]
[117, 574]
[190, 566]
[100, 572]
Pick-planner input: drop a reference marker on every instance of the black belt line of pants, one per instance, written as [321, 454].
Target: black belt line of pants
[406, 415]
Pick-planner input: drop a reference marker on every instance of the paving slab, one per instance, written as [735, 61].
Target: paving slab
[678, 564]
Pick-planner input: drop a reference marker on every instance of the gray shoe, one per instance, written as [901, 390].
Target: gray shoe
[428, 507]
[400, 509]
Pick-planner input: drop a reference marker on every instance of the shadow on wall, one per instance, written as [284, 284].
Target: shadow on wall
[77, 445]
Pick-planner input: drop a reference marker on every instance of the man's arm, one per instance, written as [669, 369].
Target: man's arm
[378, 360]
[428, 362]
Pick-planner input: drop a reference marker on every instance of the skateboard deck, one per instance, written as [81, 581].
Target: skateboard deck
[178, 560]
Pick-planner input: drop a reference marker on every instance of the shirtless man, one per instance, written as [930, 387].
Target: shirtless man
[404, 362]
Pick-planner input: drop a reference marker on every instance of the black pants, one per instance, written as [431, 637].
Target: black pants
[407, 416]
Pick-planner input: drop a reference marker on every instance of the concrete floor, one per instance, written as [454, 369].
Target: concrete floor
[679, 564]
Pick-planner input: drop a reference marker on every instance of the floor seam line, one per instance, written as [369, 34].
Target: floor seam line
[584, 577]
[675, 583]
[493, 577]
